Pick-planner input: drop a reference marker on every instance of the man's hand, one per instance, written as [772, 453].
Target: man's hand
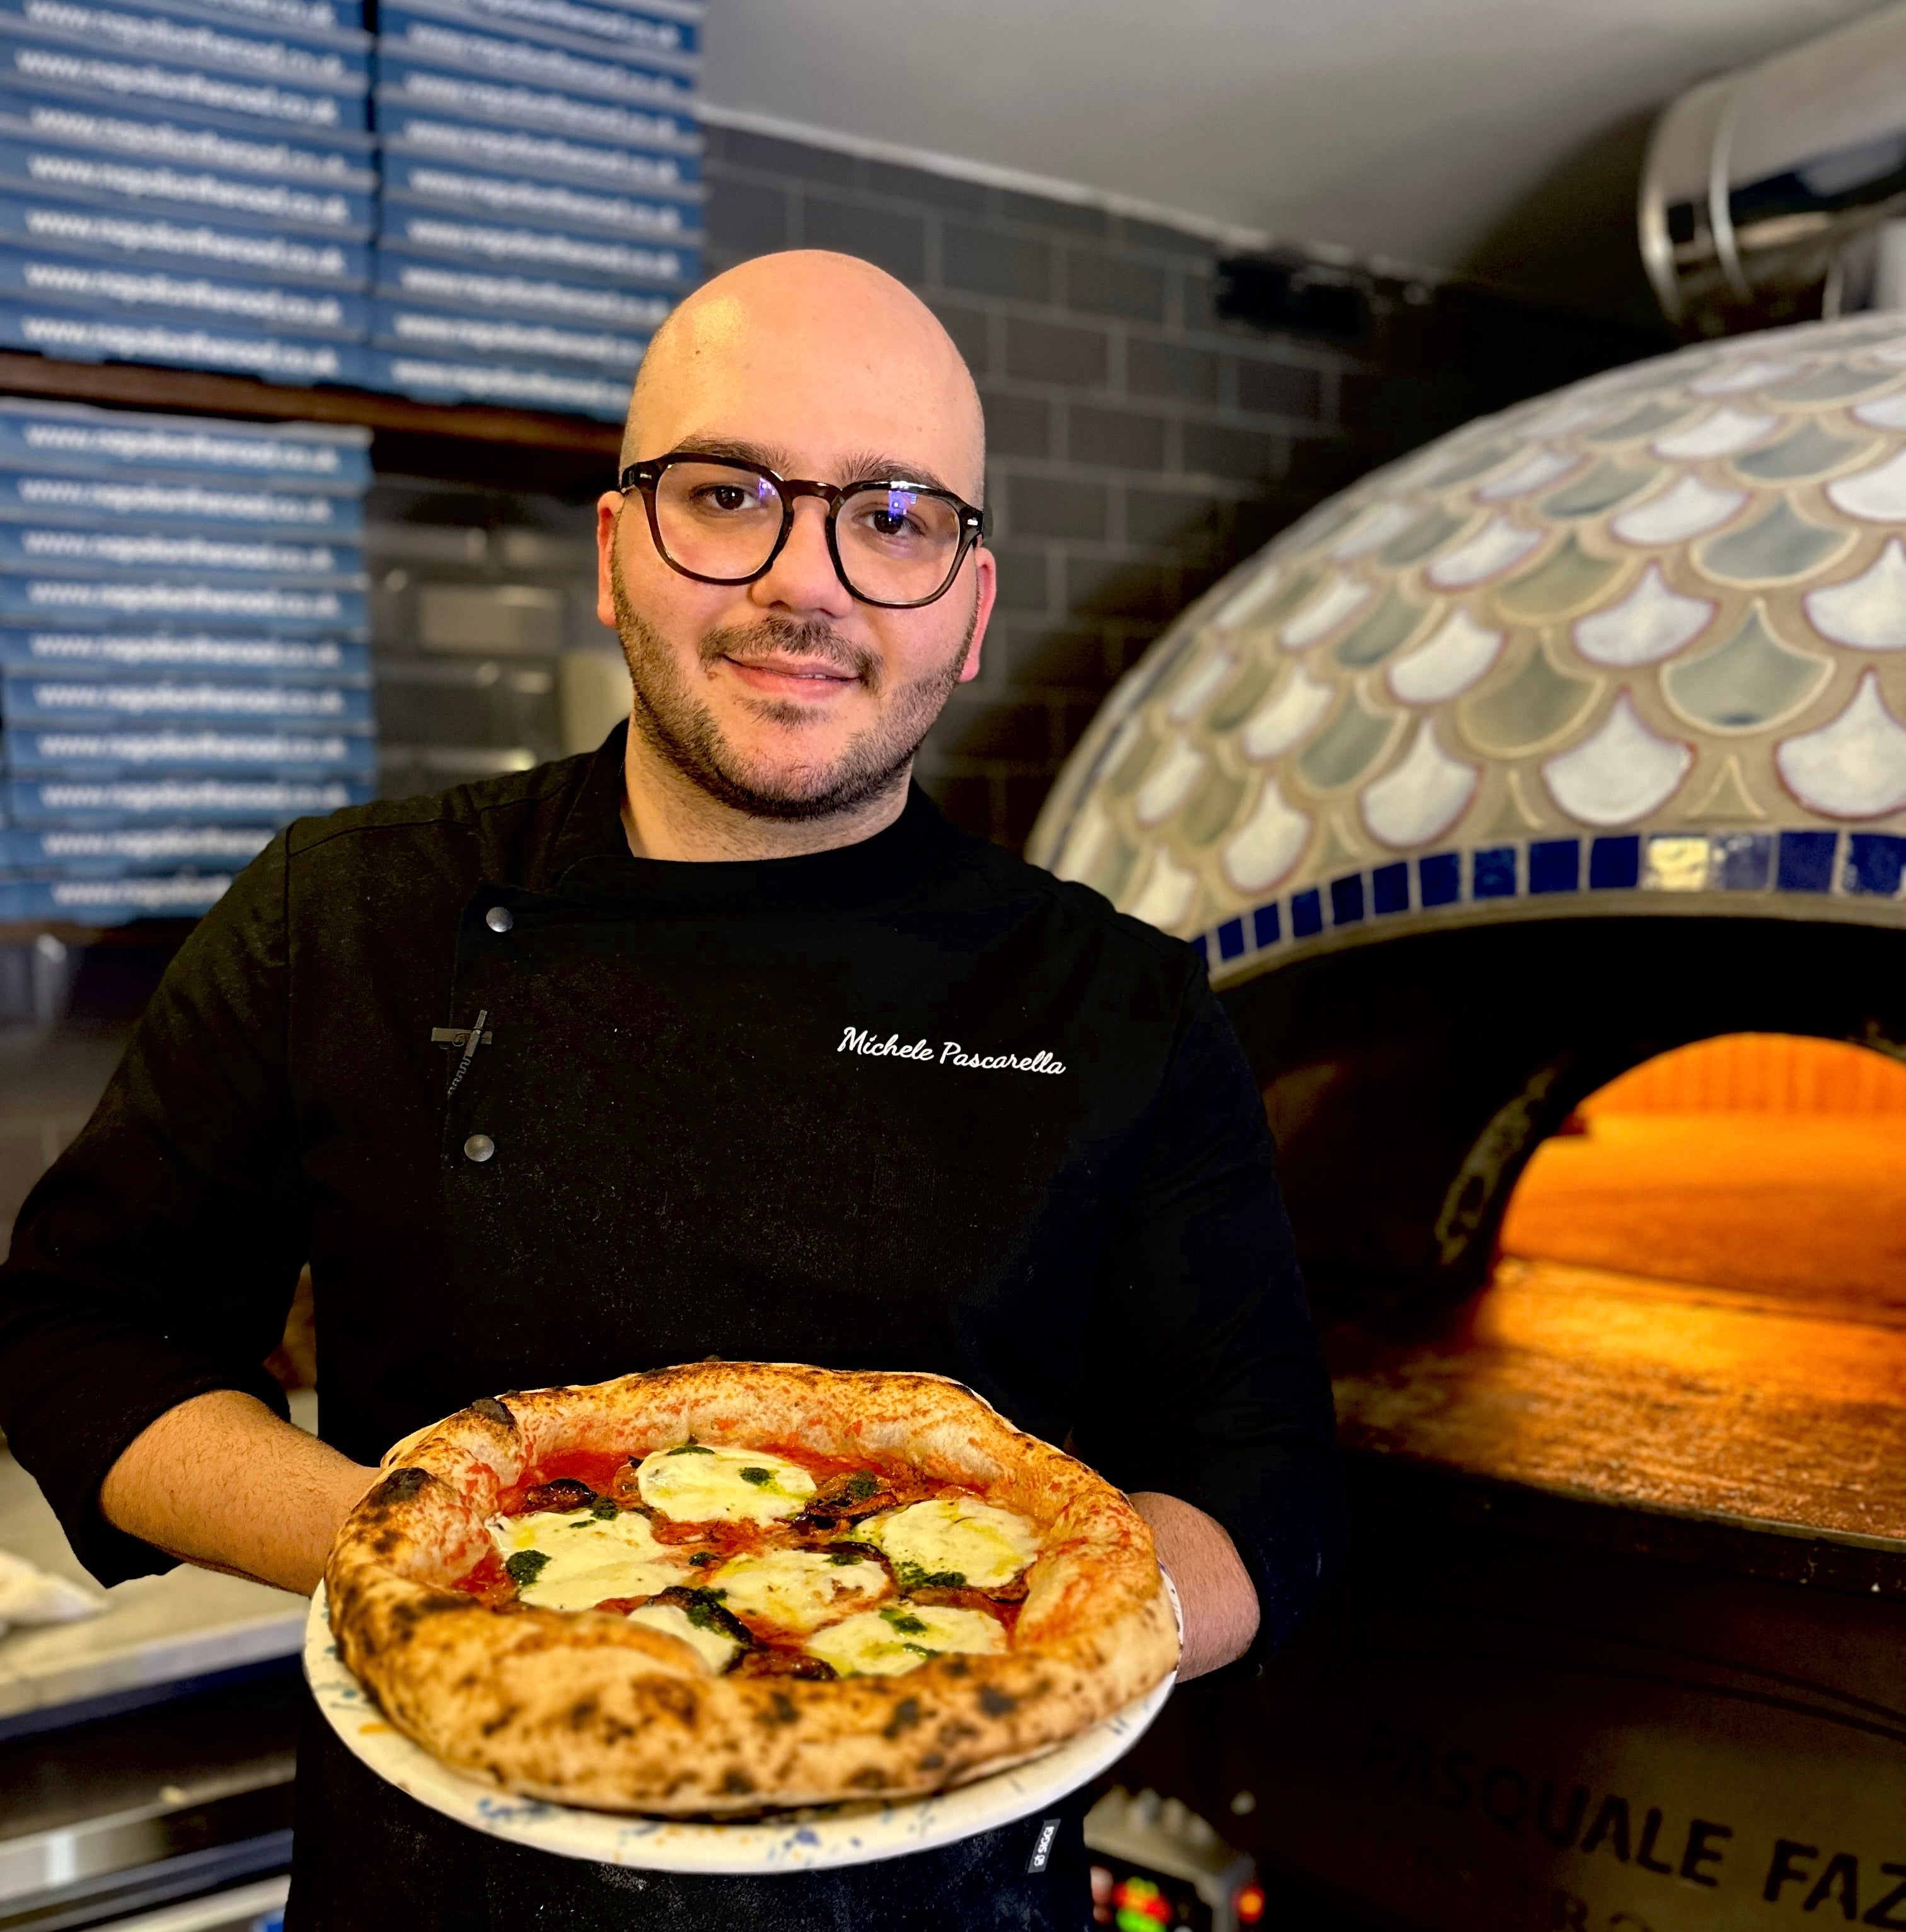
[1214, 1591]
[220, 1482]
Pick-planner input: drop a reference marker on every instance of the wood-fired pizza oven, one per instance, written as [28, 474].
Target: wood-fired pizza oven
[1573, 741]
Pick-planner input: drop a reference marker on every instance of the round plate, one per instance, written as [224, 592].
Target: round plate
[805, 1841]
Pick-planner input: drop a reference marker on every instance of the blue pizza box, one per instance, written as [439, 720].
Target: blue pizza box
[121, 444]
[425, 282]
[78, 335]
[263, 751]
[425, 181]
[48, 698]
[184, 801]
[523, 249]
[172, 502]
[670, 170]
[101, 234]
[424, 87]
[336, 160]
[88, 78]
[443, 33]
[433, 331]
[121, 549]
[41, 64]
[190, 36]
[115, 178]
[267, 659]
[290, 17]
[445, 379]
[658, 30]
[113, 901]
[90, 601]
[31, 277]
[114, 851]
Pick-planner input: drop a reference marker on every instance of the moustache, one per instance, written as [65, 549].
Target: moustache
[781, 638]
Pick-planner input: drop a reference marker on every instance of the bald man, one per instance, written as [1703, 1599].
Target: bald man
[717, 1041]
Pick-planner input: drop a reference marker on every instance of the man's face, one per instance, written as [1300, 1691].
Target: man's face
[786, 698]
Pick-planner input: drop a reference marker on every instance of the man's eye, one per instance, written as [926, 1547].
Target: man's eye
[727, 497]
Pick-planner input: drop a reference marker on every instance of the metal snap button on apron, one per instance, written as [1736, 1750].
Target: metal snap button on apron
[479, 1147]
[499, 918]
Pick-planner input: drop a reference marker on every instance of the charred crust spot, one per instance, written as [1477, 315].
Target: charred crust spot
[737, 1783]
[996, 1702]
[386, 1543]
[400, 1486]
[907, 1714]
[933, 1761]
[956, 1667]
[872, 1778]
[677, 1700]
[780, 1709]
[582, 1713]
[491, 1410]
[503, 1718]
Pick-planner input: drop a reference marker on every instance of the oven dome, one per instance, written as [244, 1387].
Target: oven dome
[1638, 646]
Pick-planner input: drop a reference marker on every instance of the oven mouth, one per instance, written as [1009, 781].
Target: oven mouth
[1610, 1212]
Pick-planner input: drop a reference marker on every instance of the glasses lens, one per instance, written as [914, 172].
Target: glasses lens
[897, 545]
[717, 519]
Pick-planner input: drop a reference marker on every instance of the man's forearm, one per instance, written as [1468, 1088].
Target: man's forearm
[1214, 1590]
[221, 1482]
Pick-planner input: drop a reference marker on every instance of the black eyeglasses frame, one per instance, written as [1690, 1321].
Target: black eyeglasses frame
[646, 477]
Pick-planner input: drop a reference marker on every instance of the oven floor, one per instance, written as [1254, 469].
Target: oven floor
[1806, 1208]
[1701, 1314]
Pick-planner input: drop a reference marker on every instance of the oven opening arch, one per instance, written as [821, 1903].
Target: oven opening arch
[1611, 1210]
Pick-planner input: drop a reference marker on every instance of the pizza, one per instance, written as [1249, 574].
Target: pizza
[729, 1587]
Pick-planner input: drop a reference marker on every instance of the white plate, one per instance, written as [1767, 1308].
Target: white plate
[807, 1840]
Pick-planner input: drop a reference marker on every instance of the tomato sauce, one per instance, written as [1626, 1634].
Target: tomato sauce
[610, 1474]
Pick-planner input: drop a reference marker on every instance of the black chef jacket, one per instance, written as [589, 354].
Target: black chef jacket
[909, 1104]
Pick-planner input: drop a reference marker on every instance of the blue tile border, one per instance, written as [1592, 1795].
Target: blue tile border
[1857, 865]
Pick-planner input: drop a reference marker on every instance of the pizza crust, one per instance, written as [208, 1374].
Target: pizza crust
[588, 1708]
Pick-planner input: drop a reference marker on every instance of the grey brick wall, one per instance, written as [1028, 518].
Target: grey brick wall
[1141, 442]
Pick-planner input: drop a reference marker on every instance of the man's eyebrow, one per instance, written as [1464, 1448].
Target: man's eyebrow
[870, 467]
[862, 466]
[762, 455]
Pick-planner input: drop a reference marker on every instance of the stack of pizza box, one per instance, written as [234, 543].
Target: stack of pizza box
[187, 183]
[184, 656]
[540, 204]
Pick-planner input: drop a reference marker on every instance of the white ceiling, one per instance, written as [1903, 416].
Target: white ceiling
[1416, 129]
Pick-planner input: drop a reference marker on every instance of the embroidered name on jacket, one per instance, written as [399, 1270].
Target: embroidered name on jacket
[858, 1039]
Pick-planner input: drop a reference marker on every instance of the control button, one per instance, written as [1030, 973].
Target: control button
[479, 1147]
[499, 918]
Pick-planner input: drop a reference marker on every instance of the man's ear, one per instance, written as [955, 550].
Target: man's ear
[608, 513]
[987, 584]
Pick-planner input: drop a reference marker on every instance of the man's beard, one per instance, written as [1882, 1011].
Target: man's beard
[680, 727]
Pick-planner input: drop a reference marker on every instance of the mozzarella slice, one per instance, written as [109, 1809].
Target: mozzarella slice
[588, 1558]
[901, 1636]
[714, 1648]
[797, 1589]
[692, 1483]
[958, 1536]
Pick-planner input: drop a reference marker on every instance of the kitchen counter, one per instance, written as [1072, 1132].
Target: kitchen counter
[155, 1631]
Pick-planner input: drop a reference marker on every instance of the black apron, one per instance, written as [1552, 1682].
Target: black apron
[600, 1214]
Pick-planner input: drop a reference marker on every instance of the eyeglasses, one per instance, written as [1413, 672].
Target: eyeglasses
[895, 544]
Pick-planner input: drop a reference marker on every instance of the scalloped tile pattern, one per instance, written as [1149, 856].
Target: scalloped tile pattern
[1666, 607]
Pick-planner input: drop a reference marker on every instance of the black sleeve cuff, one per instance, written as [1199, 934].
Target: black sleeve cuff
[75, 1394]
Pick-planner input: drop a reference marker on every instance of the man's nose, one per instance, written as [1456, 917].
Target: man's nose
[803, 578]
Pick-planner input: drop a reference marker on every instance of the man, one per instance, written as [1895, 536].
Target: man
[674, 1122]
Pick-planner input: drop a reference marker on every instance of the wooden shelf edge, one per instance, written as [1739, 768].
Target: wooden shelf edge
[136, 385]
